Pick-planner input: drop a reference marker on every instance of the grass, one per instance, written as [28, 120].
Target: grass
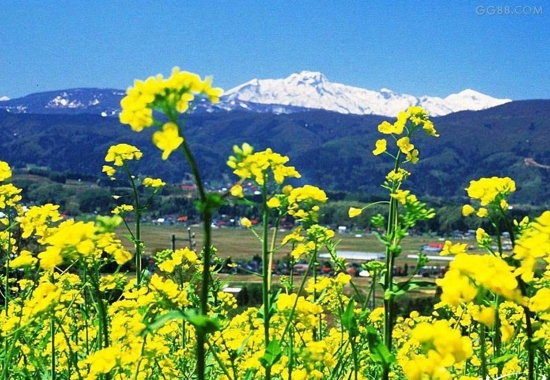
[240, 243]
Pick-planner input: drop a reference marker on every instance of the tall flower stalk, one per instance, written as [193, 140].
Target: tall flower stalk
[397, 223]
[267, 169]
[172, 97]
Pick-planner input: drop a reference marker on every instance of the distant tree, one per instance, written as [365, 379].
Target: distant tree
[96, 199]
[46, 193]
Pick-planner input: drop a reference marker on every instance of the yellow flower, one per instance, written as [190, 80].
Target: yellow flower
[353, 212]
[122, 209]
[174, 92]
[532, 245]
[467, 210]
[260, 165]
[485, 315]
[168, 139]
[453, 249]
[405, 145]
[540, 301]
[412, 156]
[109, 170]
[119, 153]
[25, 259]
[237, 191]
[153, 182]
[245, 222]
[482, 212]
[386, 128]
[303, 202]
[401, 195]
[274, 202]
[381, 146]
[487, 190]
[5, 171]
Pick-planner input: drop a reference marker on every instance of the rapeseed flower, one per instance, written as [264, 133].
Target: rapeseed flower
[168, 139]
[488, 190]
[532, 245]
[443, 347]
[353, 212]
[260, 166]
[407, 122]
[381, 146]
[120, 153]
[153, 182]
[165, 95]
[5, 171]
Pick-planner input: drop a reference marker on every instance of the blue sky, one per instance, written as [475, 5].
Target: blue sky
[415, 47]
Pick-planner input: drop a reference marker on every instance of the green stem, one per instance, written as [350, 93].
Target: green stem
[52, 332]
[529, 331]
[7, 287]
[266, 273]
[206, 251]
[388, 274]
[482, 347]
[137, 235]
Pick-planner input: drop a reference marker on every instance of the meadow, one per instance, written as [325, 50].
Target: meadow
[64, 317]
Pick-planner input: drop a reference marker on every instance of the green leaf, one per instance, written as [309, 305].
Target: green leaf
[161, 320]
[348, 319]
[202, 322]
[399, 288]
[502, 359]
[381, 238]
[272, 354]
[378, 351]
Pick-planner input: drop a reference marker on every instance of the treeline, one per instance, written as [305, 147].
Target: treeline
[79, 194]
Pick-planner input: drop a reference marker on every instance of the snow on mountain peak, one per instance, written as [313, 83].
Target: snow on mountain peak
[311, 78]
[472, 100]
[311, 89]
[4, 98]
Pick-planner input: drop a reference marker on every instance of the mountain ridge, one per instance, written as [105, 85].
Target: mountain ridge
[306, 90]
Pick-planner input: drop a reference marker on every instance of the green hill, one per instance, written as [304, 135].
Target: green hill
[329, 149]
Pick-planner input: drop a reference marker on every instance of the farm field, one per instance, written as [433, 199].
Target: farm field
[240, 243]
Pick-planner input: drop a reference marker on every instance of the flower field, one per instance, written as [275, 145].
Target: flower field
[63, 317]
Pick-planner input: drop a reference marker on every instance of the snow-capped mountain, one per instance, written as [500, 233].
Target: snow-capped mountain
[312, 90]
[105, 102]
[298, 92]
[4, 98]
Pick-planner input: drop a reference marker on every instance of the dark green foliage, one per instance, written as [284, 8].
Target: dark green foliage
[330, 150]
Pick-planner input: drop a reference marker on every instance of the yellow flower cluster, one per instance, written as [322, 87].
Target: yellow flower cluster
[74, 240]
[443, 347]
[307, 312]
[303, 202]
[491, 190]
[167, 96]
[407, 122]
[118, 155]
[181, 258]
[175, 92]
[317, 237]
[532, 245]
[5, 171]
[37, 220]
[10, 196]
[153, 182]
[260, 166]
[468, 274]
